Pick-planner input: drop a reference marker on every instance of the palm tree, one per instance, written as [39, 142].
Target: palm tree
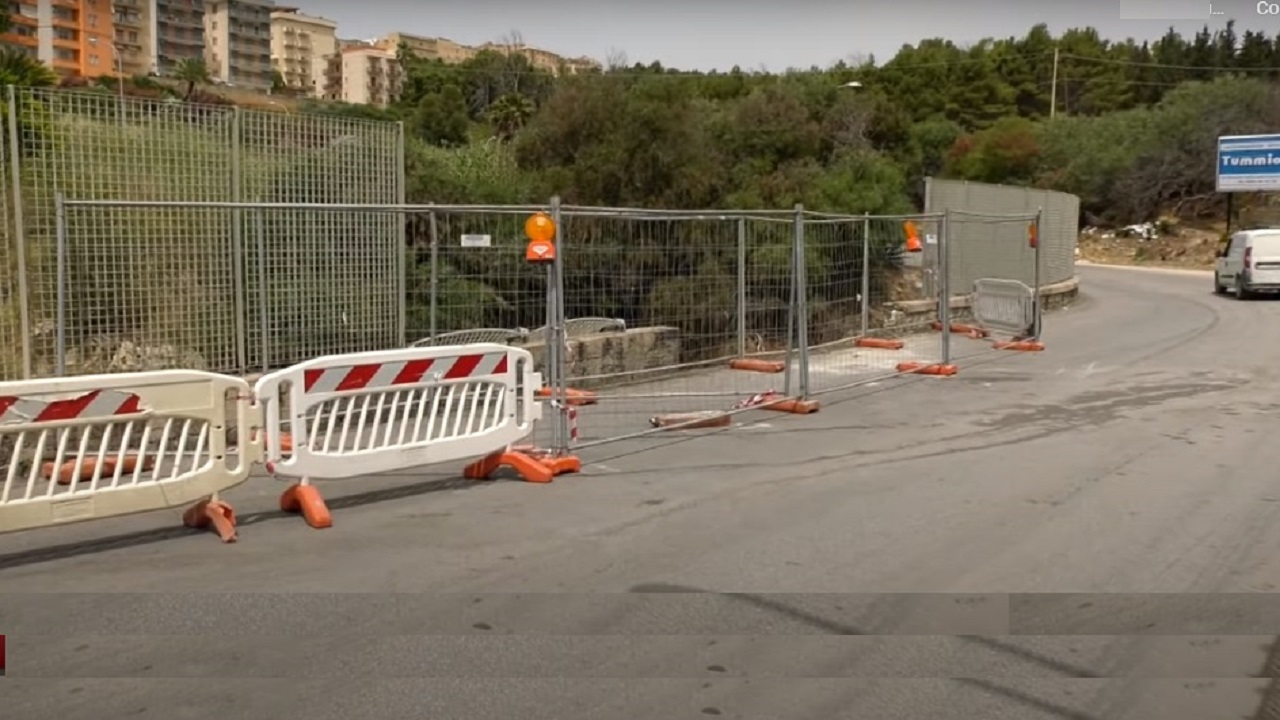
[193, 72]
[509, 114]
[19, 68]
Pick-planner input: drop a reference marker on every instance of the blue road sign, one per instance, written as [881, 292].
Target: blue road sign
[1249, 163]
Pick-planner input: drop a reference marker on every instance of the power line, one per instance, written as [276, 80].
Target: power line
[1158, 66]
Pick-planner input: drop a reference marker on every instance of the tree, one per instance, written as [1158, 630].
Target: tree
[23, 70]
[441, 117]
[509, 114]
[193, 72]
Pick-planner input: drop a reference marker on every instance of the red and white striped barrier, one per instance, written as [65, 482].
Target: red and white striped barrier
[107, 445]
[377, 375]
[353, 415]
[93, 405]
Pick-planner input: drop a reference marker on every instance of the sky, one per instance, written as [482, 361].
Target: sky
[771, 34]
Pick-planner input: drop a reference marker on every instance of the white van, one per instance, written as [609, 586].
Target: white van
[1249, 264]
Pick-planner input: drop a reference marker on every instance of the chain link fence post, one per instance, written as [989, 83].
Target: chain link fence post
[559, 342]
[60, 302]
[433, 283]
[20, 235]
[864, 321]
[238, 287]
[944, 286]
[741, 289]
[1036, 299]
[802, 301]
[402, 241]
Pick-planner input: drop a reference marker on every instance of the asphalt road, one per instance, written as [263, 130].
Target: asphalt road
[850, 564]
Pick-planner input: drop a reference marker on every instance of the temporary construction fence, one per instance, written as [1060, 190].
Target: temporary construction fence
[1004, 256]
[641, 320]
[100, 446]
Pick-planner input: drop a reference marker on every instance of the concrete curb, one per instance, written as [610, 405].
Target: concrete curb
[1054, 295]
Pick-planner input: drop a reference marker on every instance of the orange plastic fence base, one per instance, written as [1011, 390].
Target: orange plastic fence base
[286, 442]
[879, 343]
[919, 368]
[577, 398]
[972, 331]
[691, 421]
[213, 514]
[1020, 346]
[66, 472]
[307, 501]
[793, 406]
[530, 464]
[755, 365]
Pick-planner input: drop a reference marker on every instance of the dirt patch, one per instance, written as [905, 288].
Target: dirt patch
[1172, 246]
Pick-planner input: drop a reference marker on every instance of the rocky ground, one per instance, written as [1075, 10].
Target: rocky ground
[1162, 244]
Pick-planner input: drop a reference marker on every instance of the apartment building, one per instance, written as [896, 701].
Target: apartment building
[175, 33]
[297, 40]
[132, 20]
[544, 60]
[446, 50]
[427, 48]
[238, 42]
[370, 76]
[74, 37]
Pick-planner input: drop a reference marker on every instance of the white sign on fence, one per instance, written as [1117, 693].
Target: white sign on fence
[477, 240]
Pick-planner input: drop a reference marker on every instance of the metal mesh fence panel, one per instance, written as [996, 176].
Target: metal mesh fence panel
[145, 289]
[97, 146]
[468, 281]
[871, 303]
[93, 146]
[14, 337]
[331, 279]
[993, 247]
[1059, 231]
[467, 272]
[694, 292]
[318, 282]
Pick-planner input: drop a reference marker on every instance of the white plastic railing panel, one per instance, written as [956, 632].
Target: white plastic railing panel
[1004, 305]
[350, 415]
[105, 445]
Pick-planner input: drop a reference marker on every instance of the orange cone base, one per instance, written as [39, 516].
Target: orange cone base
[529, 464]
[794, 406]
[307, 500]
[919, 368]
[879, 343]
[691, 421]
[286, 441]
[972, 331]
[213, 514]
[574, 397]
[760, 366]
[1020, 346]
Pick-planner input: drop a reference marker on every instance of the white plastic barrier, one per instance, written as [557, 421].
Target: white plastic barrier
[100, 446]
[349, 415]
[108, 445]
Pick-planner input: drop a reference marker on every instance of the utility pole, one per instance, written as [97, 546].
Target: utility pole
[1053, 91]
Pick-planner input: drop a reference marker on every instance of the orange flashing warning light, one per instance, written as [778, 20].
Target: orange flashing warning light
[541, 231]
[1033, 235]
[913, 237]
